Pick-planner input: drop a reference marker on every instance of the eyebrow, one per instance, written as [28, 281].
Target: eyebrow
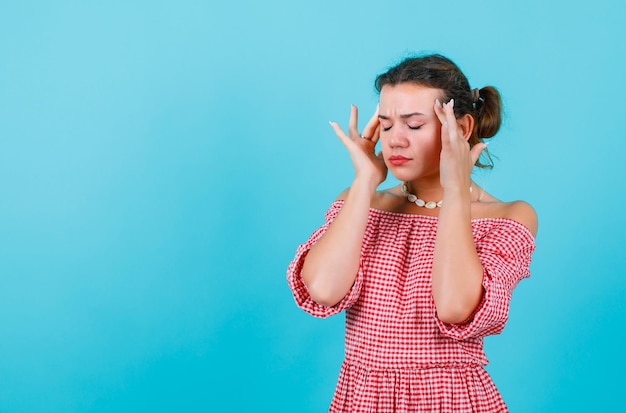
[405, 116]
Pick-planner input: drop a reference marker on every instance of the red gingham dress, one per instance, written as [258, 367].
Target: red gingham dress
[399, 357]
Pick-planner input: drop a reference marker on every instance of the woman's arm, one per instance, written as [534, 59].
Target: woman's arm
[330, 268]
[331, 265]
[457, 271]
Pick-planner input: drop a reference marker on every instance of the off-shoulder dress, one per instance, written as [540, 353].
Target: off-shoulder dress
[399, 357]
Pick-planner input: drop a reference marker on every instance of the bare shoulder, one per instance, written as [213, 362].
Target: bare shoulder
[523, 213]
[519, 211]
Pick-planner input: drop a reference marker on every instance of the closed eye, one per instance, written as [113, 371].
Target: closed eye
[385, 129]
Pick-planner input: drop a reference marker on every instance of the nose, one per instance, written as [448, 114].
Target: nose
[397, 138]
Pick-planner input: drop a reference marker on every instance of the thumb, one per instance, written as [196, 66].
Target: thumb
[476, 151]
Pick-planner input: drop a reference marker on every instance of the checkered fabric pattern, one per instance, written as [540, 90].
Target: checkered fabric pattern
[399, 357]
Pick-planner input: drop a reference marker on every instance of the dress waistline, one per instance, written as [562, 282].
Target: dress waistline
[456, 365]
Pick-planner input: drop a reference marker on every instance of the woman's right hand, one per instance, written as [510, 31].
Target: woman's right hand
[331, 266]
[362, 148]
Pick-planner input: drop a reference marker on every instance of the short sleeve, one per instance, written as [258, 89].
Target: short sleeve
[296, 284]
[505, 253]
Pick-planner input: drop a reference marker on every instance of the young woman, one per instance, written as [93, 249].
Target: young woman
[426, 269]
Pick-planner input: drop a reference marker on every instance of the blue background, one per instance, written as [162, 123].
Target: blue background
[161, 160]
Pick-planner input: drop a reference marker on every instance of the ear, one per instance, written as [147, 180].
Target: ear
[466, 123]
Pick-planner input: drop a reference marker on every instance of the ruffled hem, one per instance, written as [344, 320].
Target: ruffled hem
[454, 388]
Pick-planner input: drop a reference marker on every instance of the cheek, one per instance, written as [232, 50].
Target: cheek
[436, 143]
[384, 142]
[429, 141]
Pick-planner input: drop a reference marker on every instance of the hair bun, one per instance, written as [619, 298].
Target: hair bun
[489, 116]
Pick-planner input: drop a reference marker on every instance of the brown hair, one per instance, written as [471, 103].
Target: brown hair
[439, 72]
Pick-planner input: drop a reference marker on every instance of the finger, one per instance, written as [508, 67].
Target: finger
[442, 115]
[340, 134]
[476, 151]
[439, 111]
[368, 130]
[376, 134]
[352, 126]
[451, 124]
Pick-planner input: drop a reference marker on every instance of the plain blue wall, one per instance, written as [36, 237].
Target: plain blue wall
[161, 160]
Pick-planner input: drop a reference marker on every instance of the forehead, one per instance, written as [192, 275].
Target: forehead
[408, 96]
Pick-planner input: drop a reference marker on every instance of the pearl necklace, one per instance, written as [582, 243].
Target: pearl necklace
[420, 202]
[417, 201]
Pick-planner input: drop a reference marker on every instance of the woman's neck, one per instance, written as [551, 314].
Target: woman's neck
[428, 190]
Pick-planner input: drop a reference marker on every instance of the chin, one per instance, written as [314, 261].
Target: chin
[405, 175]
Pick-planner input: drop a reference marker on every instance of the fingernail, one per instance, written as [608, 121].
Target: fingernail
[437, 102]
[451, 102]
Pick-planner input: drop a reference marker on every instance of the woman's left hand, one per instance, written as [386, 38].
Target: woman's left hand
[456, 159]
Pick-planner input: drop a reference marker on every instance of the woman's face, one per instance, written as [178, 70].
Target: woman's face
[410, 131]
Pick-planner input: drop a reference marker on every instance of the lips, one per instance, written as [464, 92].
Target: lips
[397, 160]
